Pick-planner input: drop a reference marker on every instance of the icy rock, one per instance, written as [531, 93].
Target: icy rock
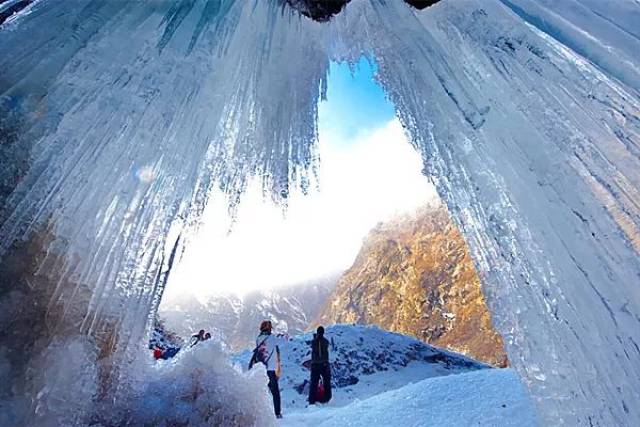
[318, 10]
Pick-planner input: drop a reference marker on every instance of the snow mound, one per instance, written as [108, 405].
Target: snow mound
[490, 397]
[198, 387]
[365, 361]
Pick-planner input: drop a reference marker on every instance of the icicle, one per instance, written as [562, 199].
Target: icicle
[118, 118]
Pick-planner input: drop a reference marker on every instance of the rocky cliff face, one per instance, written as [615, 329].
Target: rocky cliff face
[324, 10]
[414, 275]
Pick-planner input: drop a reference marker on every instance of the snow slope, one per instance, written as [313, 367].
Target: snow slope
[385, 378]
[381, 378]
[365, 361]
[492, 397]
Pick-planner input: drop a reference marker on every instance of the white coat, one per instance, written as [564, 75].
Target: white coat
[271, 341]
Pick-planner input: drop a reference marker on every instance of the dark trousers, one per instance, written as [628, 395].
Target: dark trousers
[317, 371]
[275, 390]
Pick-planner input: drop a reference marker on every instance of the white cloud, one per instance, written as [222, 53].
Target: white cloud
[361, 183]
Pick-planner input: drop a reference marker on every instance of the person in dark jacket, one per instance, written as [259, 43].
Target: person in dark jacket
[320, 368]
[196, 338]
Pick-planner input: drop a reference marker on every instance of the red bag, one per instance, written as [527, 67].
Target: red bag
[157, 353]
[320, 392]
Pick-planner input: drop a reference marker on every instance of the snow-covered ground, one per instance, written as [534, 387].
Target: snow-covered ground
[365, 361]
[380, 378]
[490, 397]
[384, 378]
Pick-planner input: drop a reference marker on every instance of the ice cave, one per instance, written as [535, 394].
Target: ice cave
[118, 119]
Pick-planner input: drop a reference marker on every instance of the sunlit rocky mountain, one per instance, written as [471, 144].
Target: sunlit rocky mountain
[414, 275]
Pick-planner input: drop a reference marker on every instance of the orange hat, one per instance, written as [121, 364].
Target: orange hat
[265, 325]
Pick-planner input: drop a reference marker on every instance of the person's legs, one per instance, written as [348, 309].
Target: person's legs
[326, 381]
[313, 385]
[274, 388]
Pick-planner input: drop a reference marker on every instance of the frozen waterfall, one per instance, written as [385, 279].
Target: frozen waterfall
[118, 118]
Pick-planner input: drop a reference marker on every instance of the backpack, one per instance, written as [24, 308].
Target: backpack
[260, 354]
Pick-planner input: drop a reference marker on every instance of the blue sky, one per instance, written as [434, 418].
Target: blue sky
[355, 102]
[364, 159]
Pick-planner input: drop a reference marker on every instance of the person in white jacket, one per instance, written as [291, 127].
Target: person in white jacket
[267, 352]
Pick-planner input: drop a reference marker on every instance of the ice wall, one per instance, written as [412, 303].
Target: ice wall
[117, 118]
[535, 150]
[129, 112]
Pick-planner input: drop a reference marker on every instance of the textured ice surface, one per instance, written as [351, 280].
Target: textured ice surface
[117, 118]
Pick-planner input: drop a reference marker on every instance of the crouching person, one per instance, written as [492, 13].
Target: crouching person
[320, 369]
